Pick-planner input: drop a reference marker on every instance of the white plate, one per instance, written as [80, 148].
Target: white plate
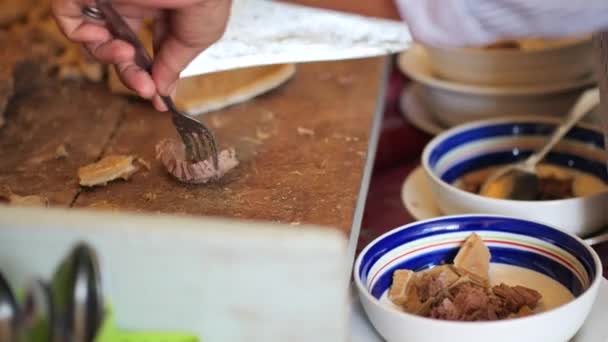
[418, 197]
[417, 112]
[415, 63]
[593, 330]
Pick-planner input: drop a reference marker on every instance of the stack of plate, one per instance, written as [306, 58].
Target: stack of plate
[455, 86]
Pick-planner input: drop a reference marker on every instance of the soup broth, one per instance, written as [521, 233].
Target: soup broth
[556, 182]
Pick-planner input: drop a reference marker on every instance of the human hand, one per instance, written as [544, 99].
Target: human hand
[183, 29]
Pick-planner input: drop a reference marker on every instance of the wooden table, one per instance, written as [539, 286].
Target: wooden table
[303, 148]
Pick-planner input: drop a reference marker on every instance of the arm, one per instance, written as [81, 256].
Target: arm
[476, 22]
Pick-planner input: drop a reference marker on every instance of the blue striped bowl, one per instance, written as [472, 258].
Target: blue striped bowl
[534, 246]
[486, 143]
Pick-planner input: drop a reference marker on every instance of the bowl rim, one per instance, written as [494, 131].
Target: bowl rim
[409, 62]
[573, 41]
[594, 284]
[486, 122]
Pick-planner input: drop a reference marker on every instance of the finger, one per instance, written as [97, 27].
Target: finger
[186, 39]
[136, 79]
[159, 104]
[88, 33]
[165, 4]
[161, 29]
[131, 10]
[68, 14]
[113, 51]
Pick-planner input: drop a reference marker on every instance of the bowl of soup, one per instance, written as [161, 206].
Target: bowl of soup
[524, 62]
[573, 186]
[477, 278]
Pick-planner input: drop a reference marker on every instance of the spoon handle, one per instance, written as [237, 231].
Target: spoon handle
[585, 103]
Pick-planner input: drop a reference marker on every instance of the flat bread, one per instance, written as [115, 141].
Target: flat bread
[205, 93]
[201, 94]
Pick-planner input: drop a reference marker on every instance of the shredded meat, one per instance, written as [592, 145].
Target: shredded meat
[471, 302]
[515, 297]
[172, 155]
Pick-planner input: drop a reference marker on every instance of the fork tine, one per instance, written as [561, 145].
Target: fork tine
[197, 138]
[201, 147]
[209, 140]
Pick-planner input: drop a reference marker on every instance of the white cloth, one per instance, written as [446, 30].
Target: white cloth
[475, 22]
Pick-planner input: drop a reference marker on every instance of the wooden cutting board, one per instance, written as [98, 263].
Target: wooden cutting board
[302, 148]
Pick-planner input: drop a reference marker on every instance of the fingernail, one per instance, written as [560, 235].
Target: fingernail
[160, 104]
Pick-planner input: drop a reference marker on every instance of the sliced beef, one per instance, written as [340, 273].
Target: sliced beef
[515, 297]
[172, 155]
[470, 302]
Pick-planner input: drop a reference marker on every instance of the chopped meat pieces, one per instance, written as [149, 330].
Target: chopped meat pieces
[172, 155]
[470, 302]
[461, 292]
[107, 169]
[433, 281]
[517, 296]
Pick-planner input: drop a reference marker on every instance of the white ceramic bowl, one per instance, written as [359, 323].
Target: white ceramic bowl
[456, 103]
[557, 62]
[424, 244]
[478, 145]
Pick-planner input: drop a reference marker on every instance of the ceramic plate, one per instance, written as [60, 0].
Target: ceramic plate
[415, 64]
[416, 112]
[420, 116]
[418, 197]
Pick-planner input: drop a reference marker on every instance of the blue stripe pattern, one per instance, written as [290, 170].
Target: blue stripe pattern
[591, 137]
[460, 169]
[500, 254]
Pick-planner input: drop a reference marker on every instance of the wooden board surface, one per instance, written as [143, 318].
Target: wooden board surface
[302, 148]
[77, 118]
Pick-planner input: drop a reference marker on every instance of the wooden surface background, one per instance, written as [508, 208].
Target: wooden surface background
[302, 148]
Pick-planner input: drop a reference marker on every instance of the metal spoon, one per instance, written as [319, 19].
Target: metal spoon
[524, 185]
[77, 311]
[9, 312]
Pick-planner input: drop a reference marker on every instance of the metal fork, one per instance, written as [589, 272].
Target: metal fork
[198, 139]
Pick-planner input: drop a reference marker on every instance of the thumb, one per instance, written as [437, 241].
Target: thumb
[188, 32]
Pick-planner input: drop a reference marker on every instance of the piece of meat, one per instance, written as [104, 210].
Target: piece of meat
[465, 302]
[106, 170]
[434, 280]
[468, 301]
[172, 155]
[515, 297]
[445, 310]
[472, 302]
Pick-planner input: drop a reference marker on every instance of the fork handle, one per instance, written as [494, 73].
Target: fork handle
[121, 30]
